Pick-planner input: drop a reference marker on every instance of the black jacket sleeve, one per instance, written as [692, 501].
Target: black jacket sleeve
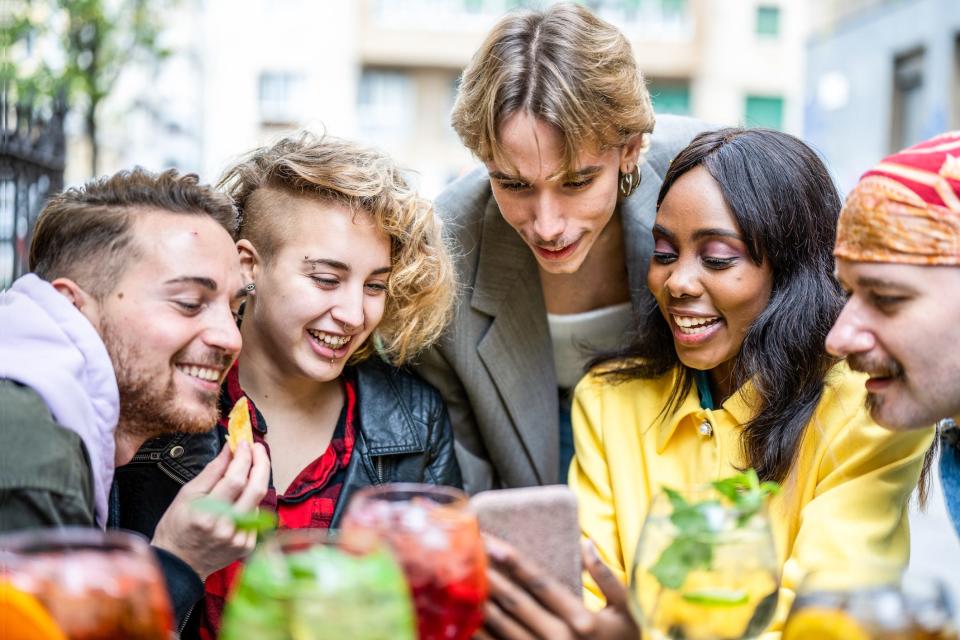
[183, 584]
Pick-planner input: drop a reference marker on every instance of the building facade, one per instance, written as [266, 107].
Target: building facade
[386, 72]
[881, 75]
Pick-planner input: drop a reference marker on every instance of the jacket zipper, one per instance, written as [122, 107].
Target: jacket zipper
[181, 482]
[378, 461]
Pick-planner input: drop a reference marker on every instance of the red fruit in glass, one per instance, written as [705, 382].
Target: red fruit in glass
[436, 540]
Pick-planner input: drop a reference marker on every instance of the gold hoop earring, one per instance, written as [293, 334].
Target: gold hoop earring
[630, 181]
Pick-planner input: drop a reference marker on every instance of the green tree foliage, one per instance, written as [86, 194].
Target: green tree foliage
[80, 48]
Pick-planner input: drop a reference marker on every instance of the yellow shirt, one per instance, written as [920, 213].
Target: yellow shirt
[845, 499]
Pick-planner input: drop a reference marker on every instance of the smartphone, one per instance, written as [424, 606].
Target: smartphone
[540, 522]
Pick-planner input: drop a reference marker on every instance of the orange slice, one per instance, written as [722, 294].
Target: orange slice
[239, 428]
[823, 624]
[24, 618]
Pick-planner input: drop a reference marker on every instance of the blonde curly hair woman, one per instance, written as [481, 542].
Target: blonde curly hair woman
[347, 279]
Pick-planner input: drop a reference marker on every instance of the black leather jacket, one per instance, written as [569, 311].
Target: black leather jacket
[403, 435]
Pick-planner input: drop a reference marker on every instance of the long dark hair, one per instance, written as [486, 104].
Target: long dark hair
[786, 207]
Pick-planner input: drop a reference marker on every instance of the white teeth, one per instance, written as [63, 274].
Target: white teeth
[329, 339]
[691, 326]
[204, 373]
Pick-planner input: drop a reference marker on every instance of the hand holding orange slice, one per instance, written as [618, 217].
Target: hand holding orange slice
[239, 428]
[24, 618]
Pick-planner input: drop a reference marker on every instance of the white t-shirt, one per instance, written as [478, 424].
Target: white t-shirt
[576, 336]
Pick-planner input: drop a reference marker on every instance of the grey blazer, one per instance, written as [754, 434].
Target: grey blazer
[494, 364]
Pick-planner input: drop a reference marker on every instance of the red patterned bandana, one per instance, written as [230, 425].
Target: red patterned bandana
[907, 208]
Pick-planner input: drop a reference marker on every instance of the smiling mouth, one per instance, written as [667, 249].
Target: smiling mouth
[332, 340]
[207, 374]
[692, 326]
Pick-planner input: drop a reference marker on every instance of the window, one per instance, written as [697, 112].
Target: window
[764, 111]
[907, 125]
[670, 97]
[281, 98]
[386, 103]
[768, 20]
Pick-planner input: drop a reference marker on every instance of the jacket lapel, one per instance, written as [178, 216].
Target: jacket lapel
[516, 347]
[638, 212]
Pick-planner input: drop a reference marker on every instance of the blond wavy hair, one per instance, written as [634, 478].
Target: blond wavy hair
[422, 283]
[562, 65]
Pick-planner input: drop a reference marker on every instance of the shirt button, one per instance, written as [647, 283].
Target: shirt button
[706, 429]
[176, 452]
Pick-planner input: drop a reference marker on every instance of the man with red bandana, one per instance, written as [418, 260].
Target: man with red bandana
[898, 257]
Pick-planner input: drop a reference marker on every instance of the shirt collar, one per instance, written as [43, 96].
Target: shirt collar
[692, 412]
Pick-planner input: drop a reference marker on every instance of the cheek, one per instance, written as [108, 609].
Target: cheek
[373, 310]
[513, 212]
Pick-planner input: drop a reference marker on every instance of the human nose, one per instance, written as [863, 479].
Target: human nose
[683, 281]
[848, 334]
[222, 332]
[548, 221]
[348, 308]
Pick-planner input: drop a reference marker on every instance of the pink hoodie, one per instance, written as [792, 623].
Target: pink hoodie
[49, 346]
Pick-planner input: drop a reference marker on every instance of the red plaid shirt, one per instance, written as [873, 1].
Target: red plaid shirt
[310, 499]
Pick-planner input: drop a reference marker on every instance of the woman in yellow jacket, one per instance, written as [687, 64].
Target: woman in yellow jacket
[731, 372]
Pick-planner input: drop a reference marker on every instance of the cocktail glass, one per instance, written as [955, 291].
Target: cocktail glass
[311, 584]
[704, 570]
[870, 603]
[437, 541]
[94, 585]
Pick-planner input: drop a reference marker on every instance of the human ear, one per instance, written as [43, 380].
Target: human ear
[631, 150]
[250, 260]
[79, 298]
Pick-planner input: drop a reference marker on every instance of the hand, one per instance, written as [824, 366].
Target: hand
[205, 541]
[525, 603]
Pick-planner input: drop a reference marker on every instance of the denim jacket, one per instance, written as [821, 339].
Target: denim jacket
[950, 470]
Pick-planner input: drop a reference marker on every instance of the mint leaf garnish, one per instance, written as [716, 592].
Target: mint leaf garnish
[692, 546]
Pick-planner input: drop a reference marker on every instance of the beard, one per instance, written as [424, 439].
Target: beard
[150, 404]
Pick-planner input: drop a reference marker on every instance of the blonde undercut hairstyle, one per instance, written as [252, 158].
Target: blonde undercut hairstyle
[422, 283]
[562, 65]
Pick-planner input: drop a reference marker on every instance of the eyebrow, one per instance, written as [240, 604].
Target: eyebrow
[699, 233]
[579, 173]
[870, 282]
[206, 283]
[340, 266]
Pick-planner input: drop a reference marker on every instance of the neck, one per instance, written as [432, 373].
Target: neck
[721, 382]
[601, 281]
[127, 443]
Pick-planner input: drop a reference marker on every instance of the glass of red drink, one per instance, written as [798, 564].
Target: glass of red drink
[93, 584]
[436, 540]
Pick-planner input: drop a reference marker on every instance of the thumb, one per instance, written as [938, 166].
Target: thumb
[211, 474]
[611, 587]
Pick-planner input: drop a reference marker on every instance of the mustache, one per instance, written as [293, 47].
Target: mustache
[212, 358]
[875, 366]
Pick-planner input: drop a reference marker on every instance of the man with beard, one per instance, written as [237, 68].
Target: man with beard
[123, 331]
[898, 257]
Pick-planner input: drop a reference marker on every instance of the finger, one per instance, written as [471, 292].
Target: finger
[234, 480]
[611, 587]
[256, 482]
[205, 480]
[501, 625]
[523, 608]
[553, 595]
[482, 635]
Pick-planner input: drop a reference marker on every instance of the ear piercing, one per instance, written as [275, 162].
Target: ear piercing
[250, 287]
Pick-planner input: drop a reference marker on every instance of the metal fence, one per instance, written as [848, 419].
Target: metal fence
[31, 169]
